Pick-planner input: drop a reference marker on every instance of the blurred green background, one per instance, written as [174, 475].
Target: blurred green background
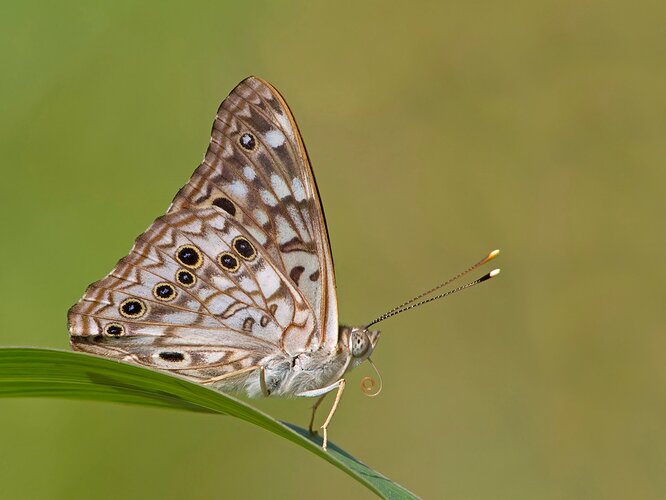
[438, 131]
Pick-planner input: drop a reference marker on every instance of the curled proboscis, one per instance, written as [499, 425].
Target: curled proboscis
[369, 385]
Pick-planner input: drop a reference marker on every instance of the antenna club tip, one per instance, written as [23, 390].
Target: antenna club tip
[489, 275]
[491, 256]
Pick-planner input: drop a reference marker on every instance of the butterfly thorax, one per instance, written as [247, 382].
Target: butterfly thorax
[312, 370]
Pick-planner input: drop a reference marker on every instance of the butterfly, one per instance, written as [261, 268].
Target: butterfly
[234, 286]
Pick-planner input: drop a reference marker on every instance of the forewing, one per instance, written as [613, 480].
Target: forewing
[196, 283]
[257, 170]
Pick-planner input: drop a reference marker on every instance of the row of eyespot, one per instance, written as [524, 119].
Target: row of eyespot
[189, 256]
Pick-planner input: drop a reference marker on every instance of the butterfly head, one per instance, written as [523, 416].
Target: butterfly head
[359, 342]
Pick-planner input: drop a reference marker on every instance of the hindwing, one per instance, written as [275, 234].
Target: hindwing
[199, 286]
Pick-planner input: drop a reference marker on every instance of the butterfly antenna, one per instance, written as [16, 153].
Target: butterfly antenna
[483, 261]
[412, 303]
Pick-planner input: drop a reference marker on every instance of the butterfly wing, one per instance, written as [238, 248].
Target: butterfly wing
[257, 170]
[198, 295]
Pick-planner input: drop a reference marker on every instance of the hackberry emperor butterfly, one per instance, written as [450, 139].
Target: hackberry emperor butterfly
[234, 286]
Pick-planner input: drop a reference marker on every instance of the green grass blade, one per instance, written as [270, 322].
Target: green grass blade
[34, 372]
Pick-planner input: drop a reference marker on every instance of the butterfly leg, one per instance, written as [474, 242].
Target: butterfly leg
[262, 382]
[314, 411]
[340, 386]
[338, 395]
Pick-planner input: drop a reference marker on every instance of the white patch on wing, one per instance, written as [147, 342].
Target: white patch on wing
[213, 357]
[179, 318]
[279, 186]
[205, 244]
[238, 189]
[240, 295]
[223, 283]
[205, 292]
[140, 329]
[249, 173]
[284, 123]
[297, 217]
[268, 281]
[192, 305]
[247, 284]
[284, 312]
[258, 234]
[268, 198]
[219, 303]
[217, 223]
[274, 138]
[194, 226]
[260, 216]
[285, 232]
[298, 189]
[153, 254]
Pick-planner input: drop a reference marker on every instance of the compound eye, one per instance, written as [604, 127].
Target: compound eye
[359, 344]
